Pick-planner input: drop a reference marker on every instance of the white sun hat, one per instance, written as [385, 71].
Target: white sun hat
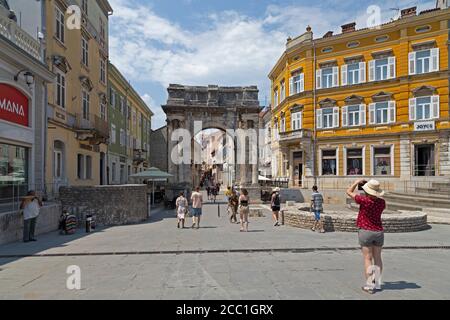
[276, 189]
[373, 188]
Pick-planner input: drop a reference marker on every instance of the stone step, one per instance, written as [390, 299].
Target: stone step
[392, 206]
[422, 194]
[437, 191]
[430, 203]
[441, 185]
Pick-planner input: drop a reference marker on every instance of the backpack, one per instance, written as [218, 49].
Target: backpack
[276, 201]
[70, 224]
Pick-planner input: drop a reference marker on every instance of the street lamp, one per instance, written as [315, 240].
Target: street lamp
[29, 77]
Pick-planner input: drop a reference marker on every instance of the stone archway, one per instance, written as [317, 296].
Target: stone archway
[223, 108]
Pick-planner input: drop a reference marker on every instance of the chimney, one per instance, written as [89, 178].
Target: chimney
[350, 27]
[409, 12]
[328, 34]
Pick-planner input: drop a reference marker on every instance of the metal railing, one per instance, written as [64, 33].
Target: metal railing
[92, 122]
[11, 195]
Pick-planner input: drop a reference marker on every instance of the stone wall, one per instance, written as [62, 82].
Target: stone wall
[11, 223]
[392, 223]
[158, 148]
[111, 205]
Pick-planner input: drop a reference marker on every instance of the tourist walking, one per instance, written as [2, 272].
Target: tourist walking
[317, 209]
[275, 204]
[31, 206]
[182, 208]
[244, 209]
[234, 206]
[197, 203]
[208, 191]
[371, 232]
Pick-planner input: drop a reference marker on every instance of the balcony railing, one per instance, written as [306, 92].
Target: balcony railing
[11, 31]
[293, 135]
[92, 123]
[139, 155]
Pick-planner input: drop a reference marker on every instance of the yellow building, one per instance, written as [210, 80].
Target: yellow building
[77, 114]
[365, 103]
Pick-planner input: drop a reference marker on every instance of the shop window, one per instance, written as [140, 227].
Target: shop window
[329, 162]
[382, 161]
[355, 163]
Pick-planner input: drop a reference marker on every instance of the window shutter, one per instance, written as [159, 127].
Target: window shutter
[372, 70]
[392, 67]
[302, 82]
[435, 107]
[434, 59]
[372, 116]
[319, 118]
[319, 79]
[335, 76]
[412, 63]
[362, 114]
[412, 109]
[291, 86]
[344, 70]
[362, 72]
[336, 117]
[345, 116]
[392, 112]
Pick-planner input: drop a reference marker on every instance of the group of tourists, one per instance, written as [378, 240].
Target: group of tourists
[182, 209]
[370, 228]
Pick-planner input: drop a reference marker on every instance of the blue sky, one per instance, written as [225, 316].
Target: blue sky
[224, 42]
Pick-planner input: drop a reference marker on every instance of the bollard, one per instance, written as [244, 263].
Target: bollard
[88, 223]
[218, 210]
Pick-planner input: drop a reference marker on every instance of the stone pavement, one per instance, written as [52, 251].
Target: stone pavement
[156, 260]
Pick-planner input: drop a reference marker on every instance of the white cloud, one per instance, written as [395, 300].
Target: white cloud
[233, 50]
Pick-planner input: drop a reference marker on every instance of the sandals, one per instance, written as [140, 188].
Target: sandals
[369, 290]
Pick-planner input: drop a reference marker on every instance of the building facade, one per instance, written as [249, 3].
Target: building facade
[78, 130]
[23, 81]
[265, 143]
[365, 103]
[130, 128]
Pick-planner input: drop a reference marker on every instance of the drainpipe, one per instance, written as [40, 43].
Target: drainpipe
[315, 113]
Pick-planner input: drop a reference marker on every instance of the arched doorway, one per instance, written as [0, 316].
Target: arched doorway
[190, 110]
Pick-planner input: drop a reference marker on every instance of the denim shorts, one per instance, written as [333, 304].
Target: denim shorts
[317, 214]
[196, 212]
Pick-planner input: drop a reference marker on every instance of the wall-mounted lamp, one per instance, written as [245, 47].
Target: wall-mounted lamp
[29, 77]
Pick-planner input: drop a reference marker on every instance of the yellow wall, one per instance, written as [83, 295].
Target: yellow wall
[59, 127]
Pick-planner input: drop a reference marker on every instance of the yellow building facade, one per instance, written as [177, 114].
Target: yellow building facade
[78, 130]
[369, 103]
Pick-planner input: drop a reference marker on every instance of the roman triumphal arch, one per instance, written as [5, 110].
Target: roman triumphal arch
[194, 108]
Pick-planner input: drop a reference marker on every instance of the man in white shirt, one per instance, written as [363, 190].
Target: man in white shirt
[197, 203]
[31, 206]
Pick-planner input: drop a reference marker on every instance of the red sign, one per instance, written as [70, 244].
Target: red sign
[13, 105]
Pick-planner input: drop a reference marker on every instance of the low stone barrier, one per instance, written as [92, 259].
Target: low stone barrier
[346, 222]
[11, 223]
[111, 205]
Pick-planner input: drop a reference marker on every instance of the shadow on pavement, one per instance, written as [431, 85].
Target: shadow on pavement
[400, 285]
[51, 240]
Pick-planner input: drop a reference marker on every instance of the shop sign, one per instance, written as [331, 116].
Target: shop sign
[424, 126]
[13, 105]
